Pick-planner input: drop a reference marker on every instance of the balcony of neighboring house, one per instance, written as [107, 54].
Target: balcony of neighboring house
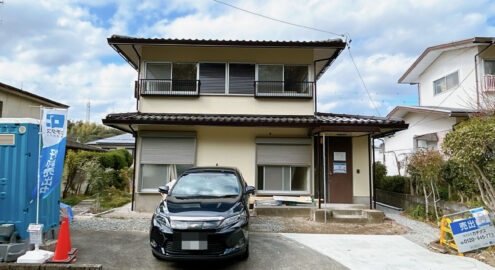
[488, 80]
[241, 79]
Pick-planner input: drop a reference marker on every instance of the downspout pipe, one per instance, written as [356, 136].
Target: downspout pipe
[134, 134]
[369, 171]
[318, 168]
[476, 74]
[139, 74]
[373, 172]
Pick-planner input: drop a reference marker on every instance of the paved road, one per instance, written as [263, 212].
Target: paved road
[363, 252]
[130, 250]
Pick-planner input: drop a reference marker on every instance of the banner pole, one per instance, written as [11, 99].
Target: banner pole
[39, 158]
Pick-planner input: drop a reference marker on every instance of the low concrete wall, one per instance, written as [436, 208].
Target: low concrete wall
[406, 201]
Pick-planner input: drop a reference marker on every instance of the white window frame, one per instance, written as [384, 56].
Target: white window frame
[256, 77]
[445, 78]
[157, 62]
[288, 192]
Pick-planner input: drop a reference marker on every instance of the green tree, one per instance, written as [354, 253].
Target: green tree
[427, 164]
[85, 132]
[472, 144]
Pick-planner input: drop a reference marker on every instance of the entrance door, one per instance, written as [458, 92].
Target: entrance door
[339, 152]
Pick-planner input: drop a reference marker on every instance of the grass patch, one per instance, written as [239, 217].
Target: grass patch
[112, 198]
[73, 199]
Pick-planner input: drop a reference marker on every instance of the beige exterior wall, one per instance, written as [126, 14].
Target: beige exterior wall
[227, 104]
[228, 54]
[15, 106]
[360, 161]
[227, 146]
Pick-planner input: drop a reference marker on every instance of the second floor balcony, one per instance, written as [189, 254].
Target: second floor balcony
[245, 79]
[489, 83]
[169, 87]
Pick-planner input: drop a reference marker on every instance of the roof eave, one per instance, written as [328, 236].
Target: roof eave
[476, 40]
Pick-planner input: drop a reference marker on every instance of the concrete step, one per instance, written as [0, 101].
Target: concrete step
[348, 211]
[339, 218]
[88, 202]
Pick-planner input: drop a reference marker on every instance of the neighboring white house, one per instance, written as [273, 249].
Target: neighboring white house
[454, 81]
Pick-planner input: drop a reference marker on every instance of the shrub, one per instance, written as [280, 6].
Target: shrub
[395, 183]
[72, 200]
[379, 174]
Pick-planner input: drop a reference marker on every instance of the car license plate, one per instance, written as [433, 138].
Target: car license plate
[194, 241]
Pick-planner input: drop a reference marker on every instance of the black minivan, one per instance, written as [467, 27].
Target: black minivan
[205, 215]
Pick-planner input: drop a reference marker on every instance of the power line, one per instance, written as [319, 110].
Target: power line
[346, 36]
[278, 20]
[362, 81]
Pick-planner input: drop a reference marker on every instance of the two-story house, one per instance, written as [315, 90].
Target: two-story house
[454, 80]
[245, 104]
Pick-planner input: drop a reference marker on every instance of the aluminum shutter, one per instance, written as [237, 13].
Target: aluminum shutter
[283, 154]
[212, 78]
[168, 150]
[241, 78]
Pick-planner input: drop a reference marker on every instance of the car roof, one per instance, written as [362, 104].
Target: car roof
[211, 169]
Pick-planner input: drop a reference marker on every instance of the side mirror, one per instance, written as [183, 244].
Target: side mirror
[250, 190]
[163, 189]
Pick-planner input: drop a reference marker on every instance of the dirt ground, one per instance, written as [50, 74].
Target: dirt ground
[484, 255]
[305, 225]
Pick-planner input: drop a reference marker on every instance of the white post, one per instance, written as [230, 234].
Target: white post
[38, 173]
[324, 175]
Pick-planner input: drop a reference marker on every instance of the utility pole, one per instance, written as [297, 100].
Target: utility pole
[88, 111]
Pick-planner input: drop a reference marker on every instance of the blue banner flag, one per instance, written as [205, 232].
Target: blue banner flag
[53, 136]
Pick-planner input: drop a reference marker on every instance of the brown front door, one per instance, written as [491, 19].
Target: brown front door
[339, 153]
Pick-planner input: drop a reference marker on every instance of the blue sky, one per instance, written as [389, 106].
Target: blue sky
[58, 48]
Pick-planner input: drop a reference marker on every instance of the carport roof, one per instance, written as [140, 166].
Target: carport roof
[318, 120]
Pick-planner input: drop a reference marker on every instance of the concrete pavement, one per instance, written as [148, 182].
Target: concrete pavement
[383, 252]
[131, 250]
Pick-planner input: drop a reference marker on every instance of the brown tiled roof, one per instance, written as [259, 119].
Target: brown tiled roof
[252, 120]
[120, 39]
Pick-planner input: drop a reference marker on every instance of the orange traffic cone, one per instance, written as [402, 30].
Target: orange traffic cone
[61, 254]
[70, 250]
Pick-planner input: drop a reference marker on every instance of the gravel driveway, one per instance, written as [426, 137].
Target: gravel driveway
[420, 233]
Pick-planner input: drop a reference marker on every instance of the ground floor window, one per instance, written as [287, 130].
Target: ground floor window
[163, 157]
[155, 175]
[283, 178]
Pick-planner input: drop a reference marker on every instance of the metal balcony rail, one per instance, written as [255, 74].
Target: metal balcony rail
[168, 87]
[283, 89]
[489, 83]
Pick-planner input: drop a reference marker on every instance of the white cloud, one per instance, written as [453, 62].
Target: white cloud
[58, 48]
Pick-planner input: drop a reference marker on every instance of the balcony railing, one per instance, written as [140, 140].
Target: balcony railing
[283, 89]
[166, 87]
[489, 83]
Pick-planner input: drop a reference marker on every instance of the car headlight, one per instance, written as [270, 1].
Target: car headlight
[161, 218]
[234, 219]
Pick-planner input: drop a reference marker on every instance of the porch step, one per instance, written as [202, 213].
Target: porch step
[348, 211]
[340, 218]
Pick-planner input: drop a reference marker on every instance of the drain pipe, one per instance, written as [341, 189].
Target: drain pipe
[134, 134]
[318, 168]
[476, 74]
[324, 175]
[138, 94]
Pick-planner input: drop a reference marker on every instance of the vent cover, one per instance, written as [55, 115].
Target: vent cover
[7, 139]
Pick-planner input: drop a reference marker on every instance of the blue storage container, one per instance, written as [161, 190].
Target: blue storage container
[19, 145]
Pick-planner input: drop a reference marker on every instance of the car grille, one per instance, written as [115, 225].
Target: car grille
[215, 247]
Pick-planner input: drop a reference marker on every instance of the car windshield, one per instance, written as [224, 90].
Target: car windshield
[207, 184]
